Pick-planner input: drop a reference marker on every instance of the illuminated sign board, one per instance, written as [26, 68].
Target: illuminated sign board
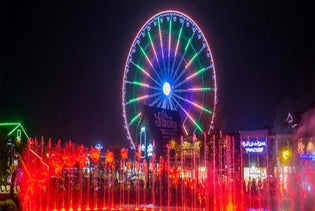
[163, 125]
[257, 146]
[308, 156]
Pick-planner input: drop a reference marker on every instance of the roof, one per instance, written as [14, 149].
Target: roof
[10, 128]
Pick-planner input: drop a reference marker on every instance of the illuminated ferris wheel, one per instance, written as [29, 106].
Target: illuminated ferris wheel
[170, 66]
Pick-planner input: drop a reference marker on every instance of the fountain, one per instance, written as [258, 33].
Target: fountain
[191, 176]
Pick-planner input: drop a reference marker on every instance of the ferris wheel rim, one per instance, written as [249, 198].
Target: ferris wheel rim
[126, 66]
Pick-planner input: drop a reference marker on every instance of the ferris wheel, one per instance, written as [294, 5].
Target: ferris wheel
[170, 66]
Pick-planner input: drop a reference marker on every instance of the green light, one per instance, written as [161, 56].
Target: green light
[146, 56]
[143, 51]
[132, 100]
[183, 55]
[137, 99]
[160, 34]
[137, 83]
[198, 126]
[145, 72]
[191, 60]
[207, 110]
[196, 73]
[151, 42]
[193, 103]
[193, 89]
[18, 134]
[191, 76]
[178, 39]
[140, 84]
[24, 131]
[200, 89]
[170, 27]
[140, 68]
[150, 38]
[194, 57]
[188, 43]
[201, 107]
[169, 37]
[189, 116]
[16, 124]
[135, 118]
[175, 54]
[9, 124]
[14, 129]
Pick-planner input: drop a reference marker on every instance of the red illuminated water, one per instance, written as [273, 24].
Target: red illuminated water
[72, 177]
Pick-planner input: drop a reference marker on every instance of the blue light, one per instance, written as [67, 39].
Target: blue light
[166, 88]
[99, 146]
[308, 156]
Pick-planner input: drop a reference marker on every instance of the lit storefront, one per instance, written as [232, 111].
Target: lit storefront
[306, 161]
[254, 157]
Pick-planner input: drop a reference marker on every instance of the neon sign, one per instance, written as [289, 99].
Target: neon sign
[308, 156]
[254, 146]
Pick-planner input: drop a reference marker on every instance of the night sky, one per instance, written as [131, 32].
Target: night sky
[62, 62]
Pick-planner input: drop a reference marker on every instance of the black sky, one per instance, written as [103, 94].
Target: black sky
[62, 62]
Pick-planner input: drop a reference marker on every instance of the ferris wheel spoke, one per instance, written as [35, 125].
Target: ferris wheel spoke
[137, 83]
[153, 48]
[172, 105]
[189, 63]
[134, 119]
[148, 60]
[169, 37]
[133, 100]
[164, 105]
[137, 99]
[169, 45]
[145, 72]
[185, 130]
[159, 105]
[193, 76]
[161, 41]
[183, 55]
[195, 56]
[177, 43]
[180, 62]
[168, 104]
[194, 89]
[194, 104]
[155, 101]
[176, 49]
[188, 115]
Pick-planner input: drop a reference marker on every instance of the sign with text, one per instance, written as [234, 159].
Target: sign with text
[164, 125]
[254, 145]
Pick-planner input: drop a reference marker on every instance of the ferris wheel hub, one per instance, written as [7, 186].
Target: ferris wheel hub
[166, 88]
